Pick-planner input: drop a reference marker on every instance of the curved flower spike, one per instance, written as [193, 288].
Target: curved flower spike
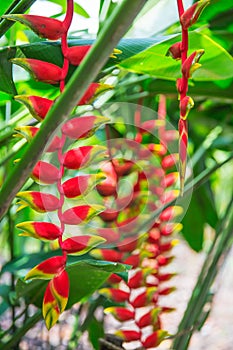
[81, 213]
[45, 231]
[45, 27]
[40, 70]
[81, 157]
[47, 269]
[45, 173]
[79, 245]
[41, 202]
[83, 127]
[191, 15]
[37, 106]
[55, 298]
[81, 185]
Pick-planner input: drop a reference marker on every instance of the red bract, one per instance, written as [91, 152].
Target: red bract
[76, 54]
[117, 295]
[81, 157]
[38, 106]
[82, 213]
[175, 51]
[49, 28]
[81, 185]
[45, 173]
[107, 254]
[83, 127]
[93, 90]
[128, 335]
[107, 187]
[120, 313]
[47, 269]
[44, 231]
[191, 15]
[41, 202]
[79, 245]
[40, 70]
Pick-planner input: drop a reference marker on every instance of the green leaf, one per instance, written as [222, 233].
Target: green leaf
[201, 211]
[6, 81]
[4, 5]
[85, 276]
[95, 331]
[217, 63]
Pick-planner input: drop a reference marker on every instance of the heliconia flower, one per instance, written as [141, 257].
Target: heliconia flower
[41, 202]
[120, 313]
[183, 143]
[133, 260]
[75, 54]
[27, 131]
[92, 92]
[117, 295]
[170, 160]
[170, 213]
[167, 290]
[81, 213]
[47, 269]
[144, 298]
[83, 127]
[114, 278]
[149, 318]
[175, 51]
[154, 339]
[181, 86]
[45, 173]
[165, 247]
[164, 277]
[128, 335]
[191, 63]
[79, 245]
[136, 280]
[158, 149]
[191, 15]
[170, 179]
[122, 166]
[164, 260]
[38, 106]
[44, 231]
[81, 185]
[41, 71]
[107, 254]
[170, 228]
[55, 299]
[45, 27]
[107, 187]
[109, 215]
[81, 157]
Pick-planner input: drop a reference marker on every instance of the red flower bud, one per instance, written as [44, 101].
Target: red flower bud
[120, 313]
[191, 63]
[41, 202]
[128, 335]
[45, 27]
[38, 106]
[45, 173]
[81, 157]
[114, 279]
[79, 245]
[93, 90]
[40, 70]
[117, 295]
[175, 51]
[167, 290]
[191, 15]
[44, 231]
[81, 185]
[81, 213]
[83, 127]
[107, 187]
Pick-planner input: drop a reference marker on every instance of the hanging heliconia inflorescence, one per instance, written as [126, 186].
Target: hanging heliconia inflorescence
[45, 173]
[148, 252]
[189, 64]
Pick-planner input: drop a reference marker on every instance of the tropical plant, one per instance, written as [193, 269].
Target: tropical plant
[96, 163]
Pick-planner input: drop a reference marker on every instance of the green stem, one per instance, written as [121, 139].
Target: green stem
[16, 7]
[115, 27]
[203, 285]
[21, 331]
